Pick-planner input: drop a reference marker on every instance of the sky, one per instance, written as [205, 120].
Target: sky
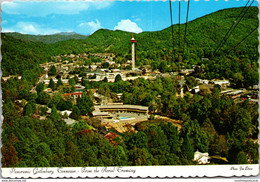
[86, 17]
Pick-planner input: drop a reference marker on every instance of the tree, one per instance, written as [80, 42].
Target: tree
[238, 79]
[24, 94]
[187, 148]
[120, 158]
[216, 89]
[219, 146]
[28, 110]
[105, 80]
[205, 91]
[251, 149]
[40, 88]
[66, 105]
[55, 116]
[51, 84]
[44, 110]
[10, 113]
[163, 67]
[43, 98]
[45, 151]
[9, 156]
[118, 78]
[208, 127]
[55, 100]
[173, 137]
[53, 70]
[191, 82]
[81, 125]
[139, 157]
[251, 78]
[75, 113]
[74, 153]
[59, 83]
[158, 143]
[138, 140]
[105, 65]
[242, 124]
[241, 158]
[155, 65]
[72, 82]
[85, 104]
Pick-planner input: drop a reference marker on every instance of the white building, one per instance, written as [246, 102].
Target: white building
[66, 112]
[222, 83]
[201, 158]
[195, 89]
[200, 81]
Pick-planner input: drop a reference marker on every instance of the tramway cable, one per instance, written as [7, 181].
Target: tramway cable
[236, 24]
[231, 27]
[186, 24]
[171, 26]
[242, 40]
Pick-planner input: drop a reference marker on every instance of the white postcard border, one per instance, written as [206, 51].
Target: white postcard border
[137, 171]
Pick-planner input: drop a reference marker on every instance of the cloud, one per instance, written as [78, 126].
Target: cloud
[44, 8]
[31, 28]
[89, 27]
[128, 25]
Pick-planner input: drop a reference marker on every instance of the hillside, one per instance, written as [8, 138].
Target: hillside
[203, 36]
[48, 39]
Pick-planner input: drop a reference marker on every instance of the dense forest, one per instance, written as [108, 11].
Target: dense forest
[211, 122]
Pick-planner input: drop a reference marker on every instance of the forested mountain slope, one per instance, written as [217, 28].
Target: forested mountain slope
[48, 39]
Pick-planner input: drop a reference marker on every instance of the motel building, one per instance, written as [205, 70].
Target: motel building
[119, 112]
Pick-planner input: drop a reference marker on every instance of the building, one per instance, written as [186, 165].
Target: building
[201, 81]
[222, 83]
[102, 115]
[120, 107]
[201, 158]
[186, 71]
[66, 112]
[75, 94]
[116, 112]
[195, 90]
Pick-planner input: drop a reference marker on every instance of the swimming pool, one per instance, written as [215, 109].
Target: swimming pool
[124, 117]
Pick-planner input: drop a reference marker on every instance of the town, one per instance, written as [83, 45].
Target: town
[69, 73]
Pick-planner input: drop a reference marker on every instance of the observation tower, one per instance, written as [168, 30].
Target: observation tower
[133, 41]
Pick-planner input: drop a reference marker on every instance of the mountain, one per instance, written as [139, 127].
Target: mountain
[48, 39]
[203, 36]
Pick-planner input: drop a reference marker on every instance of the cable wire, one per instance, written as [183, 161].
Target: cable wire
[186, 24]
[179, 33]
[171, 26]
[239, 21]
[231, 29]
[242, 40]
